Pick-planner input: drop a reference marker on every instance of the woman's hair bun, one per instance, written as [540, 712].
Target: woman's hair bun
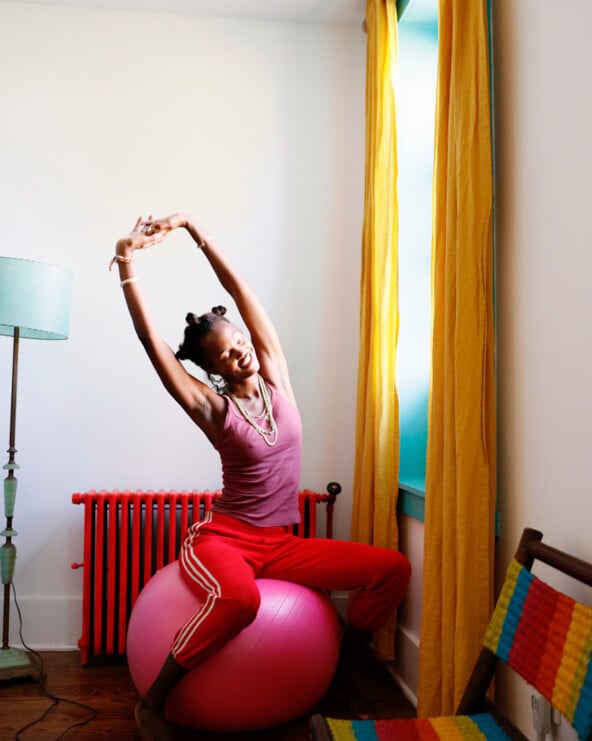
[197, 328]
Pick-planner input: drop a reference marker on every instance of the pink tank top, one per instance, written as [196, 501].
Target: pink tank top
[260, 482]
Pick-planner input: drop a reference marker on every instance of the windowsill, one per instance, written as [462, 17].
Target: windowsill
[411, 501]
[412, 498]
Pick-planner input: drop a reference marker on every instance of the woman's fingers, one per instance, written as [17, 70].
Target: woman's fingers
[147, 232]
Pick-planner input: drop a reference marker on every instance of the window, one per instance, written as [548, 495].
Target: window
[418, 49]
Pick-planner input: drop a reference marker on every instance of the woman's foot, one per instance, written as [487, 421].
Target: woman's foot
[149, 711]
[152, 724]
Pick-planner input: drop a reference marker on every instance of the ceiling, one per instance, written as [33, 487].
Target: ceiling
[349, 12]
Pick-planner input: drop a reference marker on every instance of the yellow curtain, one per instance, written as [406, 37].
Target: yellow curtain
[377, 427]
[460, 477]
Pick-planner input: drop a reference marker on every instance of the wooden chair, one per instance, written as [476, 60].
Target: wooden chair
[540, 633]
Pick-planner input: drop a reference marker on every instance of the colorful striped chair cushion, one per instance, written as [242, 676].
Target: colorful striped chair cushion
[453, 728]
[546, 637]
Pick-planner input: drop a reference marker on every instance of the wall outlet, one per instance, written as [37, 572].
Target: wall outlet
[541, 714]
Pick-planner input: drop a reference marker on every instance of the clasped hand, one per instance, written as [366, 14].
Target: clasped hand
[148, 232]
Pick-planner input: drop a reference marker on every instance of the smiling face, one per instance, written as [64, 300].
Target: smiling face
[230, 354]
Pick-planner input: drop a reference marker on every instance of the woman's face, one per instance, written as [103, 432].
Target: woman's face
[230, 354]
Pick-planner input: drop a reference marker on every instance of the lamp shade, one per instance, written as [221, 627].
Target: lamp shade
[35, 297]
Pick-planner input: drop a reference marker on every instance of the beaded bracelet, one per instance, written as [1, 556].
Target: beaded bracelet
[133, 279]
[120, 258]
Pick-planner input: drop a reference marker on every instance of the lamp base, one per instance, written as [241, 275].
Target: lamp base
[16, 664]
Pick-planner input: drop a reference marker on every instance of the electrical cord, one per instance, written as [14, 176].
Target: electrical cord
[55, 699]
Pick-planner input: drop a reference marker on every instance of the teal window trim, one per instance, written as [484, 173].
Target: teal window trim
[411, 502]
[402, 7]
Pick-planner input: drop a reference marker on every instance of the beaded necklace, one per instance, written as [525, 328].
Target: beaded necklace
[270, 435]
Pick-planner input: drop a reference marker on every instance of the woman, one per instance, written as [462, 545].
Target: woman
[251, 418]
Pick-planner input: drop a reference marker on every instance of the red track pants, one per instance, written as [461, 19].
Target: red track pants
[222, 556]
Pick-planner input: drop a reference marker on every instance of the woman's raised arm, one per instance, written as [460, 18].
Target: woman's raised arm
[263, 334]
[201, 402]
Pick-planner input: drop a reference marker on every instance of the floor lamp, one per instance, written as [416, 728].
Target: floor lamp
[34, 304]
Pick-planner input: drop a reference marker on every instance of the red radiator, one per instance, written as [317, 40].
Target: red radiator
[129, 535]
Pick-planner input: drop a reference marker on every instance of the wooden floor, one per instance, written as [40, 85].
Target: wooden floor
[108, 690]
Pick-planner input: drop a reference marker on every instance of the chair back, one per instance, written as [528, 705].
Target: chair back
[546, 637]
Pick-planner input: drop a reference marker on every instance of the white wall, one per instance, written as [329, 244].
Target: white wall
[543, 117]
[256, 128]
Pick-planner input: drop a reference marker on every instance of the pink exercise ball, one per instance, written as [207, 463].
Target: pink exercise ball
[273, 672]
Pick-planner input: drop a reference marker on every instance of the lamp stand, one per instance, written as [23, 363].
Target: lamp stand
[14, 663]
